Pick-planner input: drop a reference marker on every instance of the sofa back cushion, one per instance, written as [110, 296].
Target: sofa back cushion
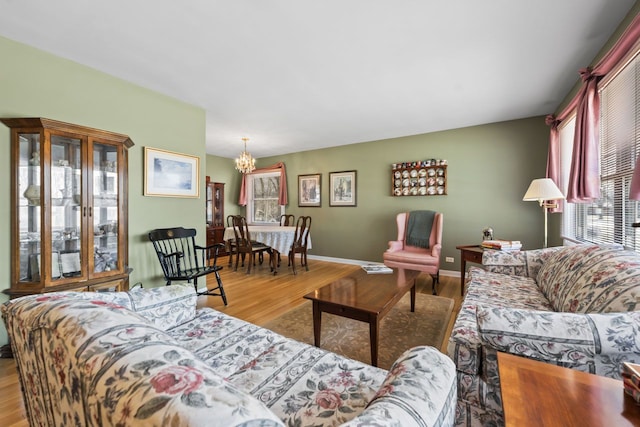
[592, 279]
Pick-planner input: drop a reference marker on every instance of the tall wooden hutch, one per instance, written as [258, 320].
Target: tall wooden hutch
[69, 225]
[215, 213]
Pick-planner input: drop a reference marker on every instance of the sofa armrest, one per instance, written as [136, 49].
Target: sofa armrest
[166, 306]
[517, 263]
[420, 389]
[596, 343]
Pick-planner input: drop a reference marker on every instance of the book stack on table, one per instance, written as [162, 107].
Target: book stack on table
[502, 245]
[631, 379]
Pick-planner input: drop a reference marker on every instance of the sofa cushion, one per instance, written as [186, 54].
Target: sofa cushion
[591, 279]
[167, 306]
[489, 289]
[409, 385]
[595, 343]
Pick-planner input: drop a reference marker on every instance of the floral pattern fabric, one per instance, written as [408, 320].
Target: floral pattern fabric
[91, 359]
[510, 305]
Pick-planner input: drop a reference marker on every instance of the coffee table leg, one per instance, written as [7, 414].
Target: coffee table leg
[373, 338]
[413, 296]
[317, 323]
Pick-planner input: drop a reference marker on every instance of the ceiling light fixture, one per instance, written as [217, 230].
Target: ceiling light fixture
[245, 163]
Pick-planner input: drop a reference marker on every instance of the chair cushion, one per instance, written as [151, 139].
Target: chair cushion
[407, 256]
[592, 279]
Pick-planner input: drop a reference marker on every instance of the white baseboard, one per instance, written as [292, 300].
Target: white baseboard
[448, 273]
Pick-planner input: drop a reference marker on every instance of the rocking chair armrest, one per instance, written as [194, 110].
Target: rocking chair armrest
[177, 254]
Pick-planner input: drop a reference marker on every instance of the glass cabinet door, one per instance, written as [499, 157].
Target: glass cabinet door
[66, 219]
[105, 210]
[29, 210]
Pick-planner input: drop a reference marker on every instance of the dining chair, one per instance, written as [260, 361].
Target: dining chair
[245, 245]
[299, 246]
[287, 220]
[182, 260]
[231, 243]
[418, 245]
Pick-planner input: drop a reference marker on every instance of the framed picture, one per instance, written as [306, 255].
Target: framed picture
[342, 188]
[169, 174]
[309, 190]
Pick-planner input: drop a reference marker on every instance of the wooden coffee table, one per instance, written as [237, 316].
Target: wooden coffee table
[540, 394]
[364, 297]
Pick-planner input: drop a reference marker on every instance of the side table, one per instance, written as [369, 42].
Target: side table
[541, 394]
[470, 253]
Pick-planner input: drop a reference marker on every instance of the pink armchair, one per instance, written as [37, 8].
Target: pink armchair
[402, 255]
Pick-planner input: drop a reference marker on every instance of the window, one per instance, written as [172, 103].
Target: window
[262, 198]
[609, 219]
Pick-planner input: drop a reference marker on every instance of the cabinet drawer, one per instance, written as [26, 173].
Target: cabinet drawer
[113, 286]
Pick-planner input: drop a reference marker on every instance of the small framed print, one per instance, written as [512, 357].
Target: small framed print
[342, 188]
[309, 190]
[169, 174]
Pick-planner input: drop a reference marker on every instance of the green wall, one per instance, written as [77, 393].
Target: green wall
[490, 168]
[36, 84]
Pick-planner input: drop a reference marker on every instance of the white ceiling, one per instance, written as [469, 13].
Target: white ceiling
[295, 75]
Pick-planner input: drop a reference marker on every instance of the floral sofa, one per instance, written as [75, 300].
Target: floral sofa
[574, 306]
[148, 357]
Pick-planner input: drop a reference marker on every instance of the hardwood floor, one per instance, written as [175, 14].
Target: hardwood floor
[257, 298]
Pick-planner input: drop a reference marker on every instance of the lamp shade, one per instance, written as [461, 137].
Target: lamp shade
[542, 189]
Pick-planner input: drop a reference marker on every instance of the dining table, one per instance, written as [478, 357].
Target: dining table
[277, 237]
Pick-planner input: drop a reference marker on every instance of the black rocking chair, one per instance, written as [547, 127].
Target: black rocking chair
[181, 259]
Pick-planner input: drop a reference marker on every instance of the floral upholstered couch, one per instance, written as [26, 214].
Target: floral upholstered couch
[148, 357]
[574, 306]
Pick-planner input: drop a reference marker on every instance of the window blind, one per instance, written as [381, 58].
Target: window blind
[609, 219]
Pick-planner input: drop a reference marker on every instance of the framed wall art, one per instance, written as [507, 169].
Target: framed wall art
[342, 188]
[169, 174]
[309, 190]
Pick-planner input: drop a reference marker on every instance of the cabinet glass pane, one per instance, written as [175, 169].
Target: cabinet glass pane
[66, 220]
[105, 207]
[209, 204]
[29, 210]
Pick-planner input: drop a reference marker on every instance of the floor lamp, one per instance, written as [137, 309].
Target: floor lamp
[542, 190]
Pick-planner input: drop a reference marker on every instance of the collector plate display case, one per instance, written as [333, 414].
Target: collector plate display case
[69, 225]
[420, 178]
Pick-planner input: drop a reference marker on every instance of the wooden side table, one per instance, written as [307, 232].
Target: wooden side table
[470, 253]
[541, 394]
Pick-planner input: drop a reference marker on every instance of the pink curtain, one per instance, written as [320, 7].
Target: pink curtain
[553, 159]
[584, 176]
[282, 196]
[584, 179]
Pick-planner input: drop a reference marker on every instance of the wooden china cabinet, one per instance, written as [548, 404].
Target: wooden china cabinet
[215, 214]
[69, 225]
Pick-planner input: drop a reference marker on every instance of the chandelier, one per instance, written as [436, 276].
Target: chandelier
[245, 163]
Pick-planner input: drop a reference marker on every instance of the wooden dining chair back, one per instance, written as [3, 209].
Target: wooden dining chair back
[182, 259]
[230, 244]
[246, 246]
[287, 220]
[299, 246]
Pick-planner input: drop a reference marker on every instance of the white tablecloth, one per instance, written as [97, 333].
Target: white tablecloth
[278, 237]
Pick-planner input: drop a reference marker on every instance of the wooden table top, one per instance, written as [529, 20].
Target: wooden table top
[540, 394]
[372, 293]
